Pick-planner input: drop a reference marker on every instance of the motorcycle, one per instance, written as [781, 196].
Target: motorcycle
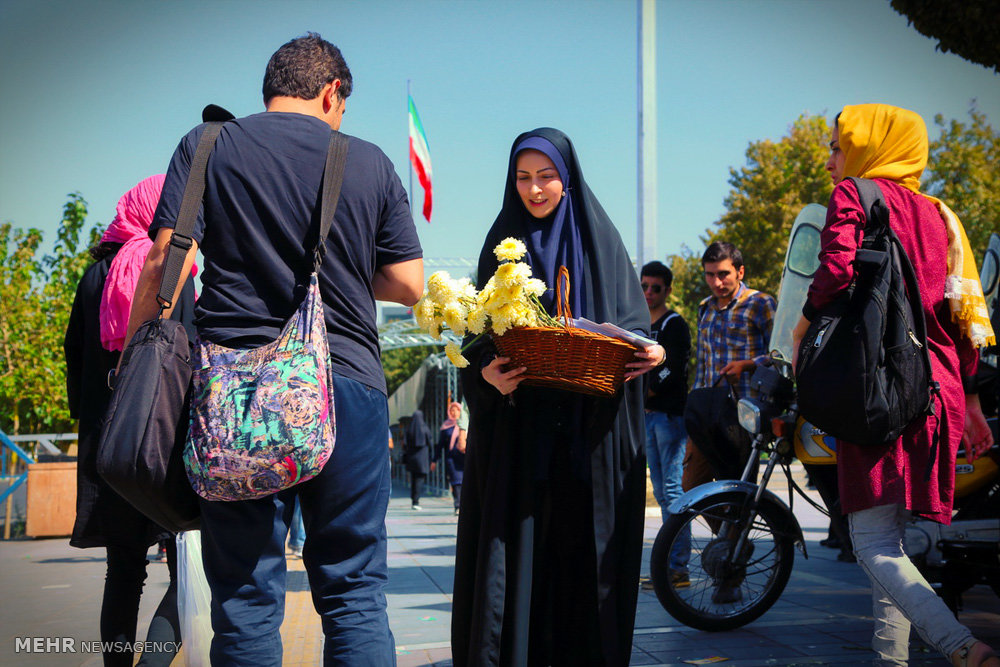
[742, 538]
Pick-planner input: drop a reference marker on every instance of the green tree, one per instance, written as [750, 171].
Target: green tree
[969, 28]
[35, 301]
[963, 173]
[401, 363]
[779, 178]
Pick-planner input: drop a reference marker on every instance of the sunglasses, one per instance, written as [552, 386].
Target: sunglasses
[652, 286]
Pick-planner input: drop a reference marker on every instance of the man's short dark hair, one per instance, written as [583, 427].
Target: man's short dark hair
[303, 66]
[722, 250]
[659, 270]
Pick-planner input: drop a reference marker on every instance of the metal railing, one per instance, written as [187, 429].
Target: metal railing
[441, 387]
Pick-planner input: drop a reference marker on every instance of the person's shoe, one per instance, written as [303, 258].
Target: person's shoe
[727, 594]
[846, 556]
[456, 511]
[416, 508]
[295, 553]
[679, 579]
[830, 543]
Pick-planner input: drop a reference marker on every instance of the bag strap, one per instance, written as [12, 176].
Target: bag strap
[877, 214]
[180, 240]
[876, 211]
[333, 178]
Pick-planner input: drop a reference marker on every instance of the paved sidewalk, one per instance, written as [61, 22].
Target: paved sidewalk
[823, 617]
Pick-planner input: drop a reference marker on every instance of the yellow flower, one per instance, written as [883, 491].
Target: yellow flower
[423, 312]
[435, 328]
[441, 287]
[455, 355]
[454, 316]
[500, 321]
[510, 250]
[535, 287]
[466, 289]
[511, 274]
[477, 321]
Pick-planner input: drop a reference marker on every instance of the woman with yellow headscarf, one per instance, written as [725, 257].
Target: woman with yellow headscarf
[880, 487]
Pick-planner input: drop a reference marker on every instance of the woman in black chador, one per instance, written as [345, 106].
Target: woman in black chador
[550, 532]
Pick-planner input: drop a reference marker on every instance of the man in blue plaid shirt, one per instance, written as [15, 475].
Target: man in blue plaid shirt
[734, 331]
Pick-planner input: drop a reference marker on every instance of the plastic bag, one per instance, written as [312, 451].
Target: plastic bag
[194, 601]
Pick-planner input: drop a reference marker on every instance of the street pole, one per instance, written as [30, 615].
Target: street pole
[646, 209]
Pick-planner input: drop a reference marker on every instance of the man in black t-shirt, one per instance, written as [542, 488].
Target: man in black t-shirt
[665, 435]
[257, 231]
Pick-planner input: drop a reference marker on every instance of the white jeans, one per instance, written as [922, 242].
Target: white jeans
[900, 594]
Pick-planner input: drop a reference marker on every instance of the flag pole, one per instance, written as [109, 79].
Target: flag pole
[408, 160]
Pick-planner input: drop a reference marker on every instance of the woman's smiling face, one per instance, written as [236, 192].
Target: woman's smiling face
[538, 183]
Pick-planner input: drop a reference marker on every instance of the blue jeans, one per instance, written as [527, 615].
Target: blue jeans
[343, 508]
[666, 440]
[900, 594]
[297, 531]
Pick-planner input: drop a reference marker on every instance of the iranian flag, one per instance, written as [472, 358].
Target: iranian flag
[420, 157]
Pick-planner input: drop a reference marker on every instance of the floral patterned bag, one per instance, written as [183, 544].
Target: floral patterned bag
[263, 419]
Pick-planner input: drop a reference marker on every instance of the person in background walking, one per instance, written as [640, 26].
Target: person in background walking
[882, 486]
[417, 455]
[94, 340]
[451, 445]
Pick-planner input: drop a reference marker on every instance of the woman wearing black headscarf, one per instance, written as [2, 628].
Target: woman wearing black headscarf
[417, 455]
[550, 532]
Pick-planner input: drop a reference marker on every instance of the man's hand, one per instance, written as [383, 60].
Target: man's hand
[507, 382]
[734, 369]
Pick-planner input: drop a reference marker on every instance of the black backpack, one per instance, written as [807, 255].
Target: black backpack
[864, 372]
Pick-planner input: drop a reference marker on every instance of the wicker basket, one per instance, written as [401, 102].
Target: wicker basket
[567, 357]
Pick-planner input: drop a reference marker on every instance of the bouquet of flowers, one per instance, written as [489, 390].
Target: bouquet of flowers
[509, 299]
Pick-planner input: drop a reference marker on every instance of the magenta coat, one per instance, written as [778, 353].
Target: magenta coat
[910, 471]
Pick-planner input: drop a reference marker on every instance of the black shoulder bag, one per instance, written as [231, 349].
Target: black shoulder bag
[142, 440]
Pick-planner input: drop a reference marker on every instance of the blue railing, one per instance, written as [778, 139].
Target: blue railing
[9, 444]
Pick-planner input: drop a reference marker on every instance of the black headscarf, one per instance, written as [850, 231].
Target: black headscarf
[578, 234]
[510, 440]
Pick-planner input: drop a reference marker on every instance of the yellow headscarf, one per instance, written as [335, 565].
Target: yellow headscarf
[882, 141]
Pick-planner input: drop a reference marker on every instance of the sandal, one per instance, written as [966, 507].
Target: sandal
[975, 654]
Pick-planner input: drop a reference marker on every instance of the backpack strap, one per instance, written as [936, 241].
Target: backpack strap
[877, 215]
[877, 222]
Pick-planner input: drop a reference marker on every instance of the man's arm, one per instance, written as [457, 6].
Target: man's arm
[144, 303]
[402, 282]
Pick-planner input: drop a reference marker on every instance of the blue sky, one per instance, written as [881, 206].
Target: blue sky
[97, 93]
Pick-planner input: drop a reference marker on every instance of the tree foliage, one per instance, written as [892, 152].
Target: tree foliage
[779, 178]
[964, 173]
[968, 28]
[401, 363]
[36, 296]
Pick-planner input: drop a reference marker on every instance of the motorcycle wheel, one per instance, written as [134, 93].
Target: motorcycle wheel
[721, 595]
